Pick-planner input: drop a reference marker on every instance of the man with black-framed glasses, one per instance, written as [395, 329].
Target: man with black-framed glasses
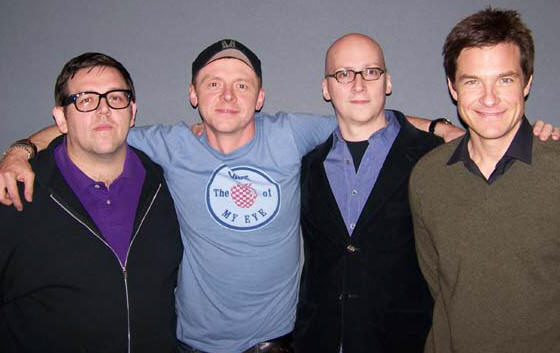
[361, 287]
[89, 101]
[91, 265]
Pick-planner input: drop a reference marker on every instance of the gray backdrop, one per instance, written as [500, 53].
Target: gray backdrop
[157, 41]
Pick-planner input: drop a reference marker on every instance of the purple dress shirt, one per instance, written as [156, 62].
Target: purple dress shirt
[351, 189]
[112, 209]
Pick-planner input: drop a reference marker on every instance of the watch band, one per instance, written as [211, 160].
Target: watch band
[433, 124]
[25, 145]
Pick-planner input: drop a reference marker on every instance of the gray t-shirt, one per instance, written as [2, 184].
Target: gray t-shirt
[239, 218]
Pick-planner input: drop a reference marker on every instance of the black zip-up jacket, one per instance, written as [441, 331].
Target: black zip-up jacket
[62, 288]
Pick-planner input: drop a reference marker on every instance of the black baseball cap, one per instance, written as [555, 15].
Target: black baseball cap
[226, 48]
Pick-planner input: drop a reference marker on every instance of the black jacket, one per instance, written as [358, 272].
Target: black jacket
[62, 289]
[365, 292]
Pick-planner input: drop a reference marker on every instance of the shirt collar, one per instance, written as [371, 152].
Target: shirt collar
[391, 125]
[520, 147]
[78, 179]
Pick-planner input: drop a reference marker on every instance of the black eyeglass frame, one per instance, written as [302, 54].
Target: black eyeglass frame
[354, 72]
[74, 97]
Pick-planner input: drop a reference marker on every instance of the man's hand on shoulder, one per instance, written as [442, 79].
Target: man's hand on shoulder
[197, 129]
[14, 167]
[545, 131]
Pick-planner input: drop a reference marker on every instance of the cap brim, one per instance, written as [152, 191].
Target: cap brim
[231, 53]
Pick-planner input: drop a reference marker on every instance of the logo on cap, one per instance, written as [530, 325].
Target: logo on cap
[242, 198]
[226, 45]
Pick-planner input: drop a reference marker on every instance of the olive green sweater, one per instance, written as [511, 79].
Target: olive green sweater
[490, 253]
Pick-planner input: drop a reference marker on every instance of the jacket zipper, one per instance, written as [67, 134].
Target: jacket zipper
[126, 261]
[123, 268]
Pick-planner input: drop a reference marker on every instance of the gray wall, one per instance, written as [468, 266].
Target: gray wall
[158, 40]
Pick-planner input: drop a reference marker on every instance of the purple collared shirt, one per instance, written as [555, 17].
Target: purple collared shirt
[351, 189]
[112, 209]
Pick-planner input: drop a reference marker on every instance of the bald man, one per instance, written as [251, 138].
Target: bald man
[362, 289]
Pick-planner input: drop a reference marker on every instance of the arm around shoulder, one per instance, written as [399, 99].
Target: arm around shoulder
[15, 167]
[439, 127]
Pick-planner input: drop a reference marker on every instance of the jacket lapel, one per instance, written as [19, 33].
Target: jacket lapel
[394, 174]
[320, 176]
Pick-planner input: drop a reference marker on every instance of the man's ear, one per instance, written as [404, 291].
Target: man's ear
[388, 84]
[325, 88]
[60, 119]
[452, 89]
[193, 97]
[133, 118]
[527, 88]
[260, 99]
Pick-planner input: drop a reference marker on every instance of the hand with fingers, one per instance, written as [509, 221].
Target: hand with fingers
[15, 167]
[545, 131]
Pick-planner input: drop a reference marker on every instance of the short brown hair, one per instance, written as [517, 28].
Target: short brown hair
[489, 27]
[87, 61]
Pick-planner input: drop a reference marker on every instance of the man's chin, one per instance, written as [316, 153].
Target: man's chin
[108, 150]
